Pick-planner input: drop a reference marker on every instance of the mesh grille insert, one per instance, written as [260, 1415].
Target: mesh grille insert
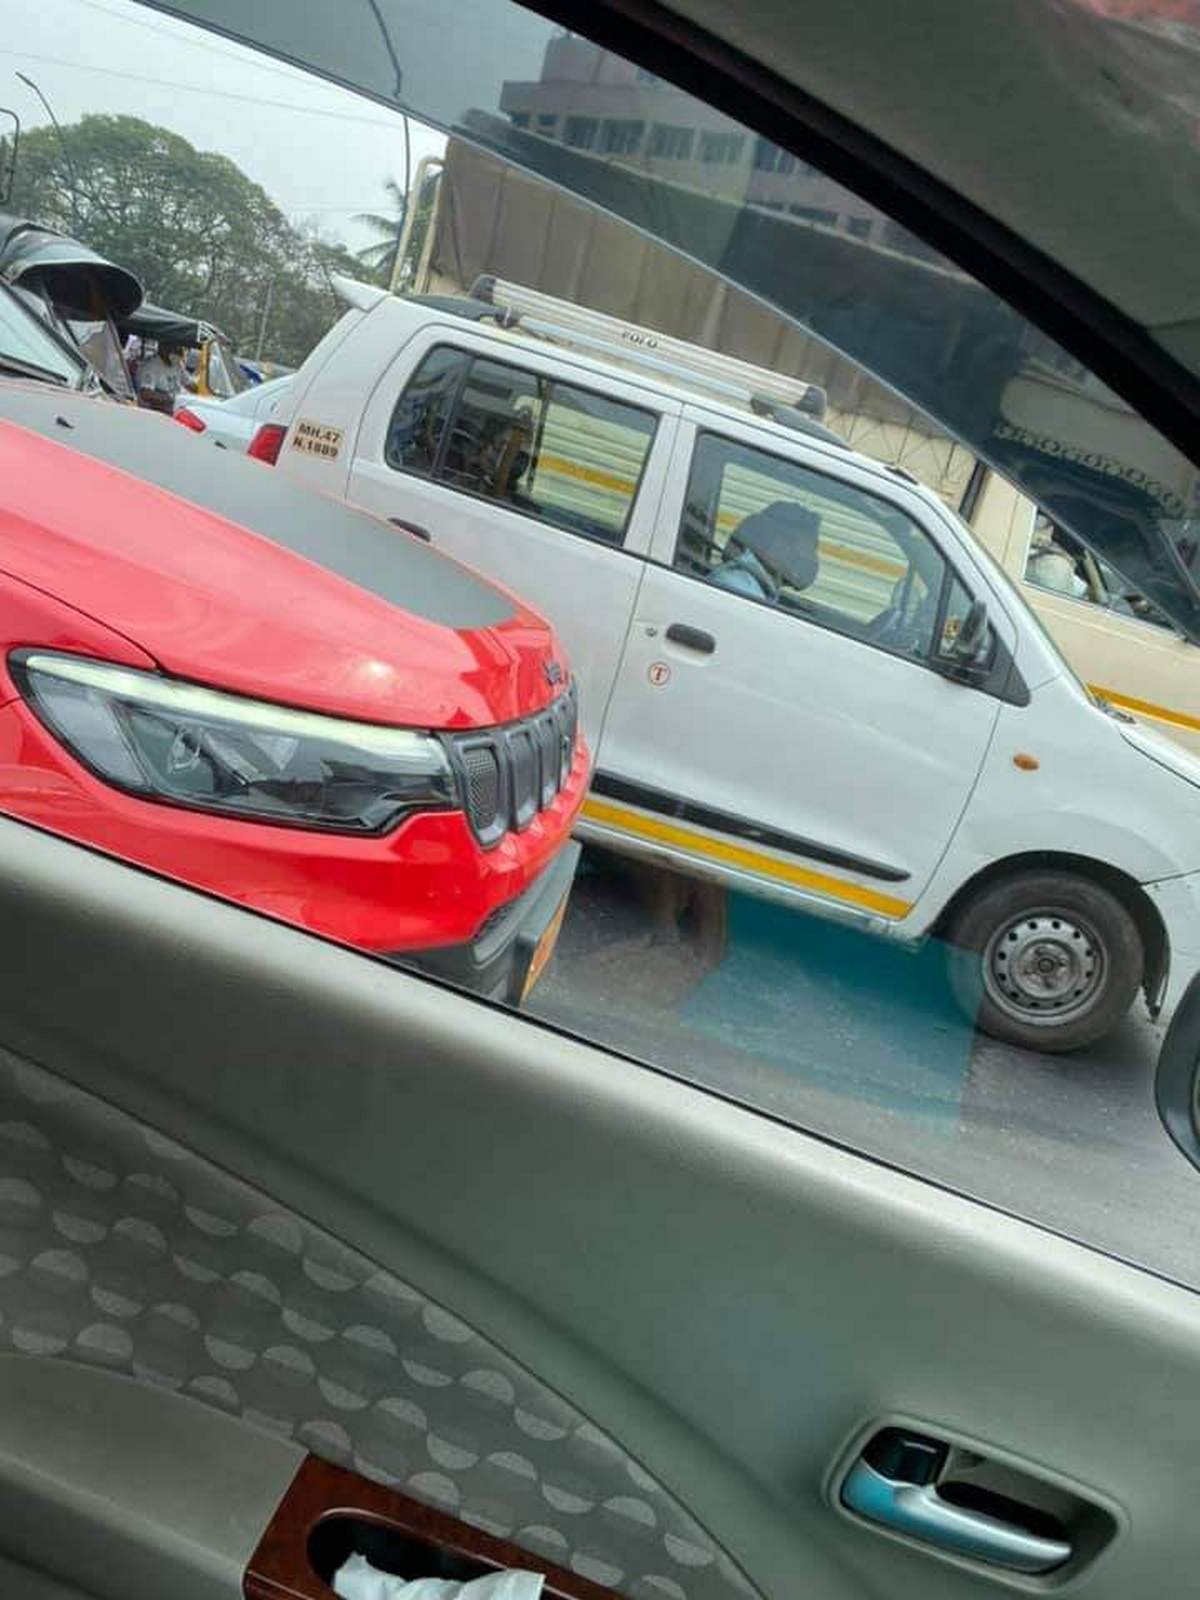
[483, 787]
[511, 773]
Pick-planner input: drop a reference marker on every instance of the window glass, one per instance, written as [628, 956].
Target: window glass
[221, 369]
[671, 143]
[98, 340]
[777, 532]
[1059, 563]
[623, 136]
[496, 146]
[580, 132]
[540, 446]
[418, 423]
[956, 610]
[721, 146]
[24, 340]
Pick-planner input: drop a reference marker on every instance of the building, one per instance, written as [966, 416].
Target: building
[591, 100]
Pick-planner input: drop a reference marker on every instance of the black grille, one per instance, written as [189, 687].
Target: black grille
[549, 743]
[510, 774]
[526, 787]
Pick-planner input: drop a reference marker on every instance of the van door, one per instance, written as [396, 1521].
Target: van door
[536, 479]
[780, 716]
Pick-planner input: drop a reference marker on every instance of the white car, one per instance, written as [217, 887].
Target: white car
[232, 424]
[801, 674]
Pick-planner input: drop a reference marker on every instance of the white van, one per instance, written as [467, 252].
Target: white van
[801, 675]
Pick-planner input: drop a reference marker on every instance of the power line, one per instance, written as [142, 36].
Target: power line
[182, 34]
[197, 88]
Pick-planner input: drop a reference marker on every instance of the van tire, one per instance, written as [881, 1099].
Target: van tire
[1046, 960]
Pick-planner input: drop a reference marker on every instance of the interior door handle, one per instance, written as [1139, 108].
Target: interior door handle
[910, 1503]
[691, 638]
[415, 528]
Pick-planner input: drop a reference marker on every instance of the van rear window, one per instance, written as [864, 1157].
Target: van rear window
[540, 446]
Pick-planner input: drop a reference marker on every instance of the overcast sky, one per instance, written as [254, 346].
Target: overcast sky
[319, 151]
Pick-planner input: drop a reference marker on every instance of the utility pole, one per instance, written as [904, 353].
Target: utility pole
[262, 327]
[71, 172]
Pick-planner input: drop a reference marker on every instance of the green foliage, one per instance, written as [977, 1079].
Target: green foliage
[204, 240]
[378, 258]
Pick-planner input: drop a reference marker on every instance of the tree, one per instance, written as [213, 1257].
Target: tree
[202, 237]
[380, 257]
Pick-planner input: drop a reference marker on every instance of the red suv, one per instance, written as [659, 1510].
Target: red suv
[260, 691]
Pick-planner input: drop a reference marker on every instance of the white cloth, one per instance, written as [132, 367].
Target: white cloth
[154, 373]
[357, 1579]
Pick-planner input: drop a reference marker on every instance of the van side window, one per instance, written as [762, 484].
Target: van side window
[418, 424]
[1058, 562]
[779, 533]
[543, 447]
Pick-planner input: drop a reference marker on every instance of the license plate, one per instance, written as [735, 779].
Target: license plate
[544, 948]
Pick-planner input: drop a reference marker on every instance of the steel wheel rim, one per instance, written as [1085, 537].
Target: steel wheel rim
[1045, 967]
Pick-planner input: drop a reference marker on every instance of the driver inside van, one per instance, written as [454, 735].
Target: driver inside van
[774, 548]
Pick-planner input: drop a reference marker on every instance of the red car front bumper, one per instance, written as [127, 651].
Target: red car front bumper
[426, 886]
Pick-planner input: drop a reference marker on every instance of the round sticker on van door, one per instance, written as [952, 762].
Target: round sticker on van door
[658, 673]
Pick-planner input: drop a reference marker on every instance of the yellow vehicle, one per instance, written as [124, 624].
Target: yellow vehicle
[1119, 643]
[210, 361]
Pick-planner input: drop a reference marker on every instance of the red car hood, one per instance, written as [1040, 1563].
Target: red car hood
[286, 595]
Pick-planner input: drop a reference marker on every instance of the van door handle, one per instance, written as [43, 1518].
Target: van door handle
[415, 528]
[898, 1491]
[692, 638]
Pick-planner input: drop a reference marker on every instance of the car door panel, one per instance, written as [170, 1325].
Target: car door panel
[126, 1251]
[730, 1300]
[177, 1509]
[546, 564]
[850, 763]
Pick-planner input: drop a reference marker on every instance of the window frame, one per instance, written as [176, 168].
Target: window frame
[471, 355]
[1000, 658]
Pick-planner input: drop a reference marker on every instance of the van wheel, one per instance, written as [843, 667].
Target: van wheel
[1045, 960]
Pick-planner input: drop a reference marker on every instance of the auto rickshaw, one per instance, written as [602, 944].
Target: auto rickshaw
[213, 369]
[75, 290]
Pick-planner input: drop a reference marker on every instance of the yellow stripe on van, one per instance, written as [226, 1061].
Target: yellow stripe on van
[573, 469]
[736, 855]
[1127, 702]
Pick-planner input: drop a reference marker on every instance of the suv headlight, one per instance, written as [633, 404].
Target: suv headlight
[166, 740]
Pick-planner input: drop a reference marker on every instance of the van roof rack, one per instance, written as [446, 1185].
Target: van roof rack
[788, 401]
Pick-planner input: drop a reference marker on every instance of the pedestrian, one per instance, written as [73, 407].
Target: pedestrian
[160, 378]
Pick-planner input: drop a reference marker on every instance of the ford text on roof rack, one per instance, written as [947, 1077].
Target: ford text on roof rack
[802, 675]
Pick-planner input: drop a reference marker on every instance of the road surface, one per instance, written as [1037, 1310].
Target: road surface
[854, 1039]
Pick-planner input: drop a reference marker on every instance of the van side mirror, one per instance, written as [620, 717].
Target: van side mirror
[10, 137]
[971, 639]
[1177, 1079]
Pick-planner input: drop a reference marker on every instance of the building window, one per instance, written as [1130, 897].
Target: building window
[860, 227]
[622, 137]
[766, 154]
[827, 219]
[547, 121]
[580, 132]
[520, 119]
[670, 142]
[722, 147]
[769, 157]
